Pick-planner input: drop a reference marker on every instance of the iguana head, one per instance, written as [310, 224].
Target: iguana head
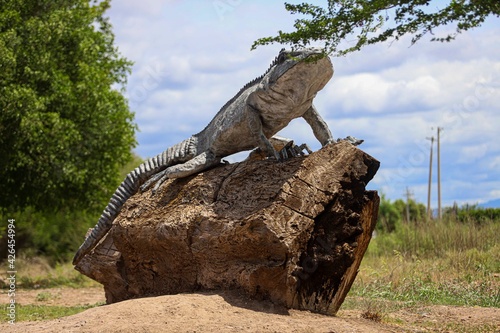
[303, 71]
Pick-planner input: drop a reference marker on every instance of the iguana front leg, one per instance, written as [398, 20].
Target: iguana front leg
[255, 125]
[319, 126]
[194, 165]
[321, 131]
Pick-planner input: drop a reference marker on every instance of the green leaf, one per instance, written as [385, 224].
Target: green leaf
[349, 25]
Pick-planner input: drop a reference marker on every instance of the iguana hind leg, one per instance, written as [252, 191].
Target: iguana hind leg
[199, 163]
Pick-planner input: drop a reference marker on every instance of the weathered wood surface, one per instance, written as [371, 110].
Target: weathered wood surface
[292, 232]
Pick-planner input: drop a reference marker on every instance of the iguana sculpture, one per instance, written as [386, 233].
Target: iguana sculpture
[249, 120]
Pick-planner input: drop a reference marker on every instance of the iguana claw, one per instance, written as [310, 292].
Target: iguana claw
[156, 178]
[352, 140]
[292, 150]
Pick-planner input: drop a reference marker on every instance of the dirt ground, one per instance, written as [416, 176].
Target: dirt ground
[232, 312]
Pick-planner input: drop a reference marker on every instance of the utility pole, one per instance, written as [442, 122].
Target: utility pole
[439, 173]
[429, 210]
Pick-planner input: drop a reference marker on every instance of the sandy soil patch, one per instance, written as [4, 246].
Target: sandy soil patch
[232, 312]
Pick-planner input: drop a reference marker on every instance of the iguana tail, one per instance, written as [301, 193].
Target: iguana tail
[174, 155]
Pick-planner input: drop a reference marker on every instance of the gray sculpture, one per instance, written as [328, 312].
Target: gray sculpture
[249, 120]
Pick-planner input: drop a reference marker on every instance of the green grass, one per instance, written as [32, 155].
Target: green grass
[437, 263]
[45, 312]
[464, 328]
[36, 272]
[445, 263]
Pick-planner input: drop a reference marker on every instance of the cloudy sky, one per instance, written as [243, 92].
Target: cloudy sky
[192, 56]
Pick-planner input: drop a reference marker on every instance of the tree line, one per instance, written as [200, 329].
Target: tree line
[394, 213]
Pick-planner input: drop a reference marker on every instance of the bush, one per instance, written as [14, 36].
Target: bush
[55, 235]
[388, 215]
[475, 214]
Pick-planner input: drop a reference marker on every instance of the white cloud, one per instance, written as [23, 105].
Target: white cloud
[494, 163]
[362, 91]
[471, 153]
[416, 85]
[495, 194]
[143, 8]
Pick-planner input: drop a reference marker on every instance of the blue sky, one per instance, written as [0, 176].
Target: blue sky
[192, 56]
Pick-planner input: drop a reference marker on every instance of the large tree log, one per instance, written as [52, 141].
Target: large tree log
[293, 232]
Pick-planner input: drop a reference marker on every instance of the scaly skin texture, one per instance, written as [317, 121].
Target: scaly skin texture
[259, 110]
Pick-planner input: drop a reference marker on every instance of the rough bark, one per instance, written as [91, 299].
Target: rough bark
[292, 232]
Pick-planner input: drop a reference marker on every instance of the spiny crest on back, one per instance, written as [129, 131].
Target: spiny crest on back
[254, 81]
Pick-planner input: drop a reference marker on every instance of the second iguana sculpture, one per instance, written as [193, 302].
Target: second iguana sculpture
[255, 114]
